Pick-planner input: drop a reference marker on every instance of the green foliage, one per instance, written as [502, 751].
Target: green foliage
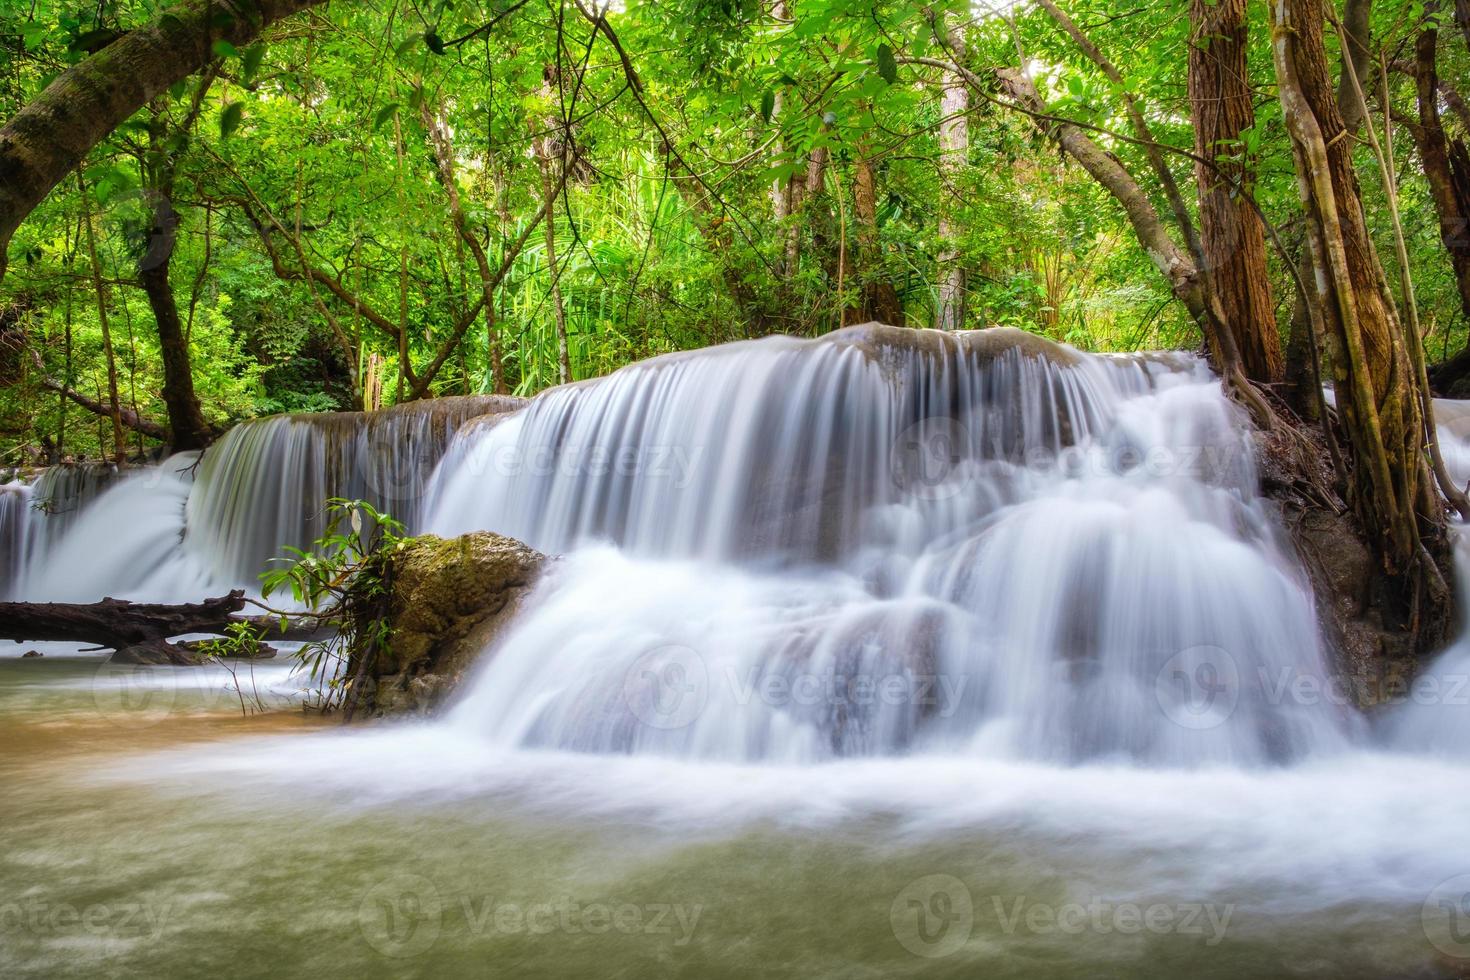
[339, 575]
[666, 233]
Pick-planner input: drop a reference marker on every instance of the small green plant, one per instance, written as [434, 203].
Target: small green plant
[242, 641]
[339, 578]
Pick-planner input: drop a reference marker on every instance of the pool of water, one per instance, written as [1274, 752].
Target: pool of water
[156, 826]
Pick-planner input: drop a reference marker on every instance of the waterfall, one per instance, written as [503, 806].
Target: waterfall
[892, 540]
[193, 526]
[34, 517]
[265, 484]
[15, 518]
[880, 541]
[1432, 714]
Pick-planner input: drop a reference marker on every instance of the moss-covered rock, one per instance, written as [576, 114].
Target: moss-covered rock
[445, 602]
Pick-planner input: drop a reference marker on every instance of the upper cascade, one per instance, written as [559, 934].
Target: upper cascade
[778, 446]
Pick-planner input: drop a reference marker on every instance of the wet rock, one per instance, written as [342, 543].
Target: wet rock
[32, 653]
[447, 601]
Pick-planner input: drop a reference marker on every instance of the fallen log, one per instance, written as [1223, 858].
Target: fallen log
[138, 632]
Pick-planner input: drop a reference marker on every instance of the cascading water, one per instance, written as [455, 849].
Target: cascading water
[880, 541]
[892, 540]
[15, 507]
[266, 483]
[1024, 607]
[191, 526]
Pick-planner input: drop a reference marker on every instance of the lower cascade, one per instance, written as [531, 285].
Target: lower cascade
[880, 542]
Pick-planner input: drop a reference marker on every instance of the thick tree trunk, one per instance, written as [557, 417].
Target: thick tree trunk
[1446, 164]
[954, 150]
[1377, 385]
[1357, 60]
[879, 299]
[1232, 237]
[48, 138]
[783, 192]
[187, 426]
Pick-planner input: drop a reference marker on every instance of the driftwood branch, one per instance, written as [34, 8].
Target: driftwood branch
[139, 631]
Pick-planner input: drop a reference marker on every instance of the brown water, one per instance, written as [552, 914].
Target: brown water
[164, 834]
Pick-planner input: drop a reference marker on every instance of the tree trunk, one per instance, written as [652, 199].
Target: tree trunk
[879, 299]
[48, 138]
[119, 450]
[489, 279]
[954, 150]
[187, 426]
[558, 308]
[1446, 164]
[783, 192]
[1232, 238]
[1377, 386]
[1173, 263]
[137, 631]
[1357, 58]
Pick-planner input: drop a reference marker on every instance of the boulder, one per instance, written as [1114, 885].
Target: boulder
[444, 602]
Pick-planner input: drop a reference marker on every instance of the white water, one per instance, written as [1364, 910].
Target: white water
[880, 542]
[1004, 612]
[864, 545]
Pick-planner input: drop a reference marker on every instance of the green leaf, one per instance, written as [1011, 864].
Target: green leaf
[224, 49]
[250, 62]
[33, 34]
[408, 44]
[431, 38]
[768, 104]
[229, 119]
[887, 66]
[384, 114]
